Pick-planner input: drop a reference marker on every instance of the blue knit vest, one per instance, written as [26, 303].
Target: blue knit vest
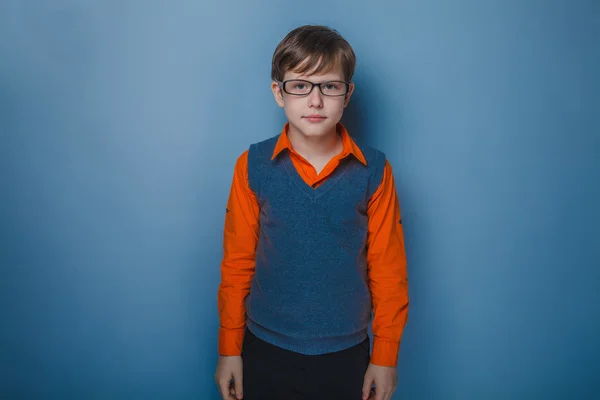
[310, 291]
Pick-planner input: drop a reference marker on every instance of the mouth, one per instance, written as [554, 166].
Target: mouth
[314, 118]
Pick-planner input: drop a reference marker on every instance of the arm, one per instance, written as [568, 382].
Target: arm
[237, 266]
[387, 271]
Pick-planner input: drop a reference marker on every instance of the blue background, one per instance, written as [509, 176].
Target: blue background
[120, 122]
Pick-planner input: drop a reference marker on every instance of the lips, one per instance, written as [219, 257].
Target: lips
[315, 119]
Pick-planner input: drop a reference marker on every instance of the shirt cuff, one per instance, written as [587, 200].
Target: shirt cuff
[230, 341]
[385, 353]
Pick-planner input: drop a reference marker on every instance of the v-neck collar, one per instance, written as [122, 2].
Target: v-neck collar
[314, 193]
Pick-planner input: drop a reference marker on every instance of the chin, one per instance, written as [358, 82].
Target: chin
[310, 129]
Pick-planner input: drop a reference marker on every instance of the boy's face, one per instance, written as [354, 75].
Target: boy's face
[299, 109]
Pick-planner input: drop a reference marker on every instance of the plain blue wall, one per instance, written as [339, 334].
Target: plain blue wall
[120, 123]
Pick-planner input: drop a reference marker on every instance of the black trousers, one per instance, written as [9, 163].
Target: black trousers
[273, 373]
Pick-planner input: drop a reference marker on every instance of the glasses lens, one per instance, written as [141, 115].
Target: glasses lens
[333, 88]
[297, 87]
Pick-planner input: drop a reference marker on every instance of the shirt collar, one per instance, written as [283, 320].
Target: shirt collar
[349, 146]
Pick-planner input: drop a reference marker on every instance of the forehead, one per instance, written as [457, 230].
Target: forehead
[334, 74]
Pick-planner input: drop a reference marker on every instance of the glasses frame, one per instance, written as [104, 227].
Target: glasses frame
[282, 86]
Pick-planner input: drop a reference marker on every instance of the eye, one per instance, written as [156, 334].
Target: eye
[331, 86]
[300, 86]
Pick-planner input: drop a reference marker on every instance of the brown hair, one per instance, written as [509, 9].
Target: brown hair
[313, 48]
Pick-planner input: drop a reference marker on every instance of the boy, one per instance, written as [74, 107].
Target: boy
[313, 244]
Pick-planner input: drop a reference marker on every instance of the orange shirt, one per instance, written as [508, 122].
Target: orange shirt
[386, 259]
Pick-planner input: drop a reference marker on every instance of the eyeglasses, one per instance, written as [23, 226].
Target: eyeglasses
[299, 87]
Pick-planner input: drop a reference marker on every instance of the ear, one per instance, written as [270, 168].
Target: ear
[277, 93]
[349, 94]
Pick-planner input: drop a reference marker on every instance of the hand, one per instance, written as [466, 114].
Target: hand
[385, 378]
[228, 368]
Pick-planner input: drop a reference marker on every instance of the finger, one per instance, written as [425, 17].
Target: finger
[372, 394]
[385, 395]
[366, 389]
[224, 388]
[391, 393]
[239, 384]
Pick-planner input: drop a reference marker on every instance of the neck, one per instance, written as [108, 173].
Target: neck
[315, 147]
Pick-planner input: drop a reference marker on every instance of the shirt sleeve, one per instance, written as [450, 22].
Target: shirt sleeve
[388, 281]
[238, 263]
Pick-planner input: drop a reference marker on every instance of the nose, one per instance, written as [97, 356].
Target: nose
[315, 98]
